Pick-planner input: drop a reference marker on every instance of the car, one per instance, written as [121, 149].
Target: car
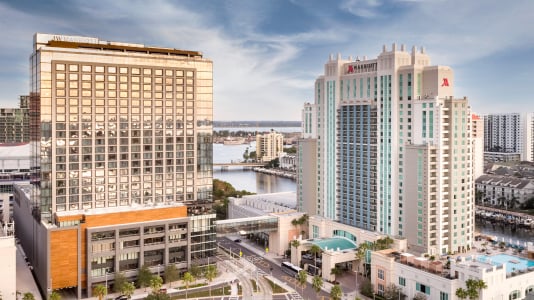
[237, 240]
[163, 291]
[121, 297]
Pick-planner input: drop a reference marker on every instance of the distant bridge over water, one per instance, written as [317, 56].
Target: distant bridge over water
[238, 164]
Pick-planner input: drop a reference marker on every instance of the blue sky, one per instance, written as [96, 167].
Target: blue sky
[267, 54]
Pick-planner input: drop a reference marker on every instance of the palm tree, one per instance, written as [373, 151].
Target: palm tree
[336, 292]
[480, 285]
[336, 272]
[359, 256]
[211, 273]
[188, 279]
[100, 291]
[54, 296]
[302, 277]
[362, 250]
[28, 296]
[461, 293]
[128, 289]
[315, 250]
[317, 283]
[155, 283]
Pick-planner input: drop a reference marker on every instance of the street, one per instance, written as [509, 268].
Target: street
[271, 268]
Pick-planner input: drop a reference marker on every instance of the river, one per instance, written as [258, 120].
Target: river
[263, 183]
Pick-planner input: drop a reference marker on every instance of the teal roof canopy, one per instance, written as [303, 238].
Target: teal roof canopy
[334, 243]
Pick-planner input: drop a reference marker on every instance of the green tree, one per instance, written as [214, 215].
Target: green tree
[336, 271]
[100, 291]
[336, 292]
[158, 296]
[480, 285]
[211, 273]
[419, 296]
[128, 289]
[366, 288]
[143, 277]
[118, 282]
[315, 250]
[290, 150]
[196, 271]
[296, 244]
[171, 274]
[317, 283]
[302, 277]
[155, 283]
[392, 291]
[188, 279]
[54, 296]
[28, 296]
[359, 256]
[461, 293]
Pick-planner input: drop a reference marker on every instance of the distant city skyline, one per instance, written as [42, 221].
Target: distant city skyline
[267, 54]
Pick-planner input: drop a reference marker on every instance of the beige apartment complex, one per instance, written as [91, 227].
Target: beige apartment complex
[121, 161]
[269, 146]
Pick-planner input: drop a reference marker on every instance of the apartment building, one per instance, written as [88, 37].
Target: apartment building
[121, 161]
[510, 133]
[269, 146]
[15, 123]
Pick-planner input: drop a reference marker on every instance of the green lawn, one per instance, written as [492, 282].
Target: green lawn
[225, 291]
[276, 288]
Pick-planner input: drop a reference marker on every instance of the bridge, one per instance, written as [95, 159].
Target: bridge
[239, 164]
[246, 225]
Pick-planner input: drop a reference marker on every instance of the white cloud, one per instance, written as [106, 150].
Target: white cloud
[361, 8]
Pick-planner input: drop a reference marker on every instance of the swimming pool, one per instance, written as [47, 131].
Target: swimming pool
[513, 263]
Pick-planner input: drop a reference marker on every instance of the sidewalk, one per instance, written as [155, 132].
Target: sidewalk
[223, 278]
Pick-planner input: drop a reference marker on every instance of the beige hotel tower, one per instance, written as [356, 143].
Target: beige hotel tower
[121, 161]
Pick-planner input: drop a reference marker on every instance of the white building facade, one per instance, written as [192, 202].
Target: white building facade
[269, 146]
[510, 133]
[374, 119]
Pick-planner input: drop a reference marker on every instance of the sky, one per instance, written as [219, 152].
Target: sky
[267, 54]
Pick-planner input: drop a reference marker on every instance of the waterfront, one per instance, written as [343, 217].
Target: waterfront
[247, 179]
[264, 183]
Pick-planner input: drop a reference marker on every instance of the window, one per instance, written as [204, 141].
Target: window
[443, 296]
[514, 295]
[380, 274]
[422, 288]
[402, 281]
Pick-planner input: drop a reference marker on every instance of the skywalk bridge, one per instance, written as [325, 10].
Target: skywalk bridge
[246, 225]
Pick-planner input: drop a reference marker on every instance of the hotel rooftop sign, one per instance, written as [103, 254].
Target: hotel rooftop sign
[361, 68]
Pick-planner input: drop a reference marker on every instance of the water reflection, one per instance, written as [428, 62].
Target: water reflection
[255, 182]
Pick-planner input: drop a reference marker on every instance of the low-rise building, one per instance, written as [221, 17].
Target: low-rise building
[504, 190]
[8, 263]
[506, 276]
[287, 161]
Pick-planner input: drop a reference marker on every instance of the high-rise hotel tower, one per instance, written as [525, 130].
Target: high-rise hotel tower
[121, 161]
[393, 150]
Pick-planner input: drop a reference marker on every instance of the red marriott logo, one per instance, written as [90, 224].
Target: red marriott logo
[445, 82]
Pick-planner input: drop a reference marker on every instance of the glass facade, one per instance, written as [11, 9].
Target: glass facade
[356, 165]
[108, 134]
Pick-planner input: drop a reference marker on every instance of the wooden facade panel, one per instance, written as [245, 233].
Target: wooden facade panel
[135, 216]
[64, 258]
